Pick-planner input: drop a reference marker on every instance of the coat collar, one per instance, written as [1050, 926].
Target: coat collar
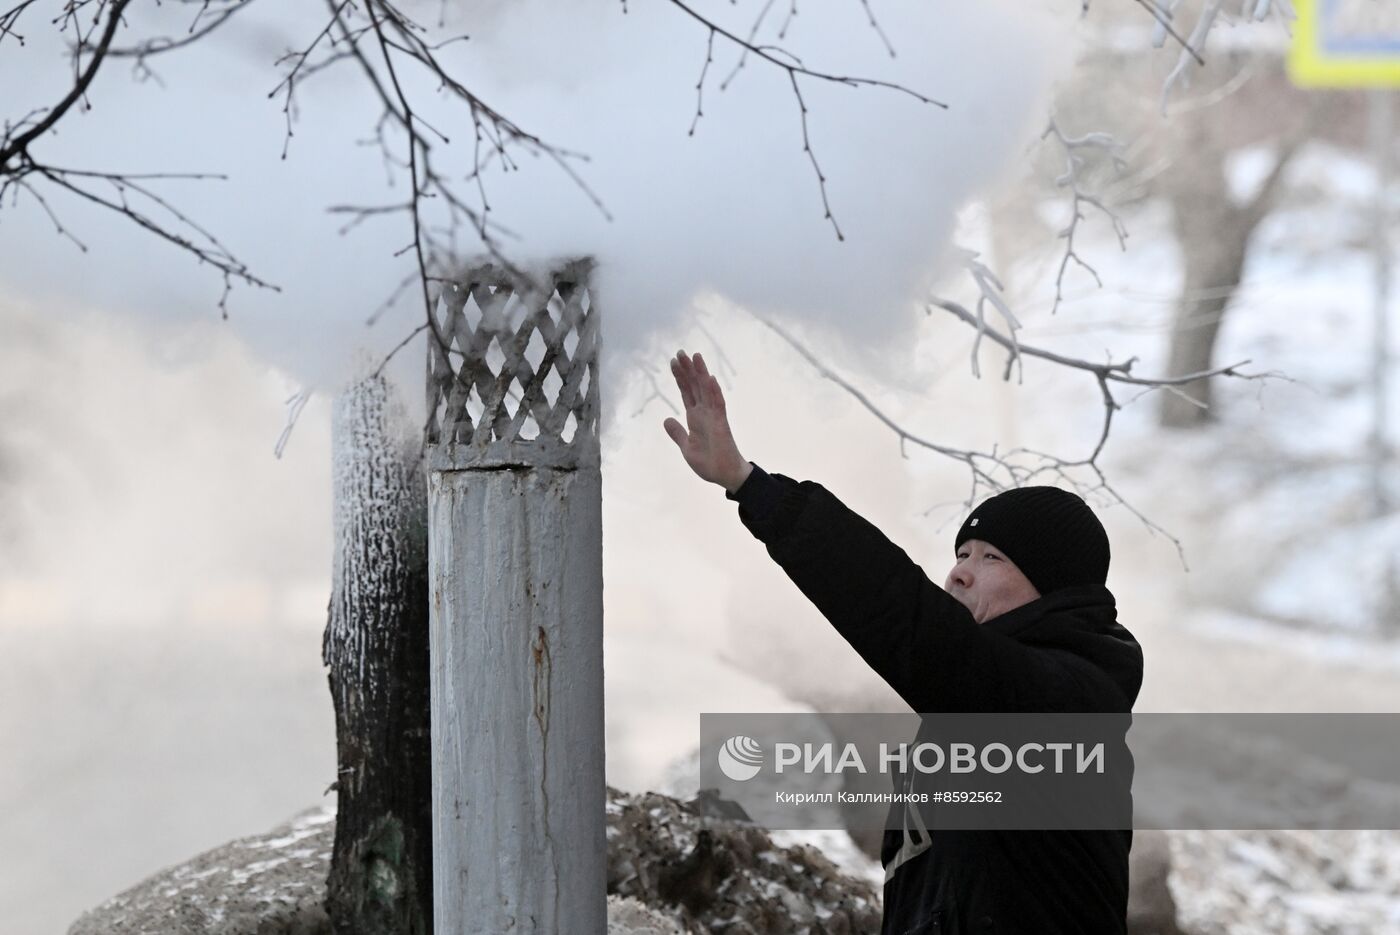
[1092, 597]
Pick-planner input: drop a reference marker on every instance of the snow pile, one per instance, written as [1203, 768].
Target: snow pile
[272, 884]
[626, 916]
[673, 868]
[839, 848]
[1287, 882]
[714, 874]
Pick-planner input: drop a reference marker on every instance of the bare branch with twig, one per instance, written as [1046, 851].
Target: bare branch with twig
[1077, 150]
[128, 194]
[796, 70]
[992, 471]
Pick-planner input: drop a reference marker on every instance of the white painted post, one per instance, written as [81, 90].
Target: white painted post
[516, 620]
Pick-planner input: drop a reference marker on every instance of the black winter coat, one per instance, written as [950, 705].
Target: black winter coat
[1064, 652]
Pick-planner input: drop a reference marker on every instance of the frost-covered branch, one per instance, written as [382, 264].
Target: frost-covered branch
[990, 290]
[1076, 152]
[982, 466]
[295, 404]
[1162, 11]
[1115, 372]
[1179, 74]
[994, 470]
[1211, 12]
[1106, 373]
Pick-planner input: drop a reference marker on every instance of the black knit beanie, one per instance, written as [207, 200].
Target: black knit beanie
[1050, 534]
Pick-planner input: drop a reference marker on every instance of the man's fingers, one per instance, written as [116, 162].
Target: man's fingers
[702, 380]
[716, 394]
[683, 382]
[695, 381]
[677, 433]
[687, 378]
[708, 385]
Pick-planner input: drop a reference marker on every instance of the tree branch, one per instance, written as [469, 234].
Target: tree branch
[17, 146]
[1074, 149]
[795, 70]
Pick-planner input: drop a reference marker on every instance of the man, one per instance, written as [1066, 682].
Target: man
[1023, 623]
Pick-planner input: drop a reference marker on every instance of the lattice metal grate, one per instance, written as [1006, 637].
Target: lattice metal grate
[513, 369]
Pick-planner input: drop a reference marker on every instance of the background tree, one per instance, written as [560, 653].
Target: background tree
[1177, 132]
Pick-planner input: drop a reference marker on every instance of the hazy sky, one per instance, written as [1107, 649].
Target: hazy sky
[735, 209]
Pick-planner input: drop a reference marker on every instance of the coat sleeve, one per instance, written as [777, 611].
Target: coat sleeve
[916, 636]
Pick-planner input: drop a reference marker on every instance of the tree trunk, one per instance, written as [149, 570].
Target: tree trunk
[376, 646]
[1213, 231]
[1213, 271]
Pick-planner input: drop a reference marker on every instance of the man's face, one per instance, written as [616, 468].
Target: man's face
[986, 582]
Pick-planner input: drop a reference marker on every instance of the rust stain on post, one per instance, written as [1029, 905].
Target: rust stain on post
[541, 678]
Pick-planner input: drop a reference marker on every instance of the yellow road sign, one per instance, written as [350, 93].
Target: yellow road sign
[1346, 44]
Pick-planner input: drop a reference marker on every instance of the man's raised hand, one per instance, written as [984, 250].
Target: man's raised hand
[708, 446]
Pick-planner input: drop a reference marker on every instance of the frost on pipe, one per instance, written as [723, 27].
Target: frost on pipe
[516, 605]
[512, 369]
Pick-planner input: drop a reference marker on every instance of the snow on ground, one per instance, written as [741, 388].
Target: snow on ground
[1286, 882]
[840, 849]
